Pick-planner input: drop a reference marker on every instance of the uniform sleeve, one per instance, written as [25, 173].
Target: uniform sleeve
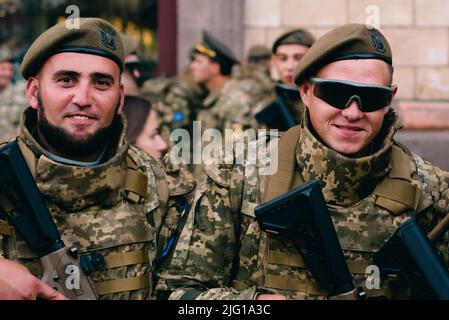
[204, 261]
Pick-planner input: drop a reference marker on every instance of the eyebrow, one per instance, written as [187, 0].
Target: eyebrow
[100, 75]
[65, 73]
[94, 76]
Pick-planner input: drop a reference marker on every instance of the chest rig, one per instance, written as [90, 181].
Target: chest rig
[101, 210]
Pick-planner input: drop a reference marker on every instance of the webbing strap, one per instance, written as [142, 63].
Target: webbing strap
[308, 287]
[116, 260]
[295, 260]
[136, 182]
[281, 181]
[396, 193]
[121, 285]
[293, 284]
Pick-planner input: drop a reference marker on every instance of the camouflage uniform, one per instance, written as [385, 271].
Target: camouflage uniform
[176, 101]
[13, 102]
[97, 209]
[225, 255]
[262, 86]
[229, 107]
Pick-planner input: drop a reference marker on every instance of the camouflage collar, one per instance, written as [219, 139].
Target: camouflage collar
[213, 97]
[75, 188]
[345, 180]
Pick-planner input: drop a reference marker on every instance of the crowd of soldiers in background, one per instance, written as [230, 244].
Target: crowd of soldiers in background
[211, 90]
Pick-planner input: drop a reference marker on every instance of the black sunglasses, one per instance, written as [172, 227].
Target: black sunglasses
[340, 94]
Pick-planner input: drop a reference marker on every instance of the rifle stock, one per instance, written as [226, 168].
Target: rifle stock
[409, 253]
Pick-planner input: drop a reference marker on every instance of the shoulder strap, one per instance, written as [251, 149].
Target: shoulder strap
[283, 179]
[136, 182]
[396, 193]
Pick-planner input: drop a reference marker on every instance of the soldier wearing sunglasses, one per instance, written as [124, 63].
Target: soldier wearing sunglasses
[370, 182]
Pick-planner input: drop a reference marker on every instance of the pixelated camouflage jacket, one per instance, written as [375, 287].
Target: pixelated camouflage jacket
[228, 107]
[224, 254]
[176, 101]
[260, 85]
[96, 210]
[13, 102]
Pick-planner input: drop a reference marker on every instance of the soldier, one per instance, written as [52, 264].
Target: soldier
[176, 100]
[287, 50]
[257, 70]
[370, 182]
[105, 196]
[228, 105]
[12, 96]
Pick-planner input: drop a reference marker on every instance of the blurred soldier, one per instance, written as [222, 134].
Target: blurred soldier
[228, 105]
[257, 70]
[131, 72]
[370, 183]
[283, 109]
[106, 197]
[176, 100]
[12, 96]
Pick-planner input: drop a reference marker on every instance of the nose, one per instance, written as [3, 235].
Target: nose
[82, 96]
[352, 112]
[162, 145]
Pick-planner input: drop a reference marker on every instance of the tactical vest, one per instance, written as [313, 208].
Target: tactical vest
[113, 223]
[362, 228]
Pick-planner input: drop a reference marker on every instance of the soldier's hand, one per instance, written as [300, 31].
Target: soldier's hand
[270, 297]
[17, 283]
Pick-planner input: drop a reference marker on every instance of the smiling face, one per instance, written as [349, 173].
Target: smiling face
[286, 59]
[79, 95]
[350, 130]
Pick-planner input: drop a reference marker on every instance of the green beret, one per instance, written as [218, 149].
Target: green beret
[297, 36]
[259, 52]
[351, 41]
[215, 50]
[95, 36]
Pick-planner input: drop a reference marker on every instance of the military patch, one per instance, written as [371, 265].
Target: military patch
[107, 38]
[178, 116]
[376, 40]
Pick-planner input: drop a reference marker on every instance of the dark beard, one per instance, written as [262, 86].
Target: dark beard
[69, 146]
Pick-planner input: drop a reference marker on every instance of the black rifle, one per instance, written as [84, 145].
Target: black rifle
[276, 115]
[409, 253]
[32, 220]
[301, 215]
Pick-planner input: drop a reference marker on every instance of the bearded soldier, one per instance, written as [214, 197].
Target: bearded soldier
[106, 197]
[371, 185]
